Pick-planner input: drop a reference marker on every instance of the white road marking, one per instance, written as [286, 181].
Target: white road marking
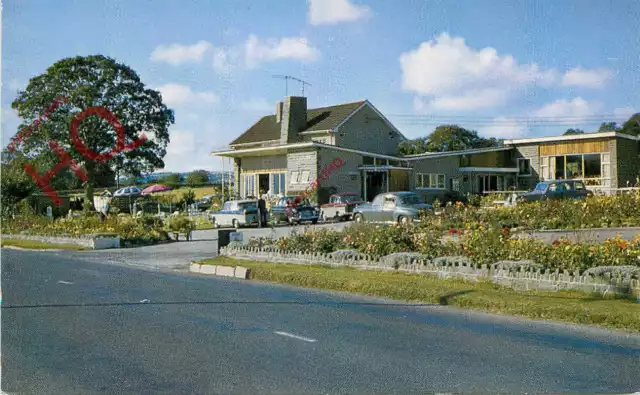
[65, 282]
[306, 339]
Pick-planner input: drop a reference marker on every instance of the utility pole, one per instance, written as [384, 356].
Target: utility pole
[286, 79]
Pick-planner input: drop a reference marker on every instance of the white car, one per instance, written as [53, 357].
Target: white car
[236, 213]
[128, 191]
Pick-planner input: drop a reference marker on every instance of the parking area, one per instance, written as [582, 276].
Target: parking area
[274, 231]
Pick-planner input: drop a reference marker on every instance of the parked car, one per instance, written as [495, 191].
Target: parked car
[556, 189]
[235, 213]
[394, 207]
[128, 191]
[340, 206]
[287, 210]
[205, 202]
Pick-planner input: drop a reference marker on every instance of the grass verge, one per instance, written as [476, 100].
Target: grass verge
[567, 306]
[39, 245]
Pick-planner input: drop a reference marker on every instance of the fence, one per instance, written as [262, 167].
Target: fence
[517, 275]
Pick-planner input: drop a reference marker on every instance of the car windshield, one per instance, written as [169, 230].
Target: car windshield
[541, 187]
[350, 198]
[410, 199]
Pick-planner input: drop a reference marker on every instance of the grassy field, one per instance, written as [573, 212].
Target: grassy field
[199, 191]
[573, 307]
[38, 245]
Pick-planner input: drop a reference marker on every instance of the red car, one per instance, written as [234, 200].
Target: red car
[340, 206]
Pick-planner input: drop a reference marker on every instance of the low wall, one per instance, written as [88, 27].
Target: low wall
[95, 242]
[517, 275]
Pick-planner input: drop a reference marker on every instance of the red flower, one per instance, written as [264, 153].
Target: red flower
[452, 231]
[505, 230]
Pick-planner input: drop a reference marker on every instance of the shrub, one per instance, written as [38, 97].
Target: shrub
[180, 224]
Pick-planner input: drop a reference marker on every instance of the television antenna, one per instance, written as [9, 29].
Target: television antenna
[286, 79]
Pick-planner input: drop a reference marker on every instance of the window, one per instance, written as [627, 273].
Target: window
[249, 185]
[579, 186]
[389, 202]
[524, 167]
[566, 186]
[553, 187]
[574, 166]
[378, 200]
[294, 177]
[277, 183]
[559, 167]
[430, 180]
[304, 177]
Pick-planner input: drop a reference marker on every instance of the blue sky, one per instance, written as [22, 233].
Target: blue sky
[505, 68]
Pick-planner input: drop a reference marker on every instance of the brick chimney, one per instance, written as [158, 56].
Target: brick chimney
[293, 118]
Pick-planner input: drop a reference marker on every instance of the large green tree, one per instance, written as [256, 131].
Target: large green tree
[608, 127]
[172, 180]
[632, 126]
[95, 81]
[197, 178]
[572, 131]
[447, 138]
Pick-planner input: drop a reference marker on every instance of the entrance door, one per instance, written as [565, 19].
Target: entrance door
[375, 184]
[263, 184]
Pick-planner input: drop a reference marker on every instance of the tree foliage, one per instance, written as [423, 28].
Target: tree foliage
[572, 131]
[447, 138]
[95, 81]
[172, 180]
[632, 126]
[197, 178]
[608, 127]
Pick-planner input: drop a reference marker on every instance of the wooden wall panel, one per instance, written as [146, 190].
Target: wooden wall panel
[574, 147]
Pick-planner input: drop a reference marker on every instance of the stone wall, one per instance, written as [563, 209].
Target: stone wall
[94, 242]
[517, 275]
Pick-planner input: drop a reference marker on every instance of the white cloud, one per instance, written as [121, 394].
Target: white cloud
[297, 48]
[225, 60]
[458, 77]
[624, 113]
[503, 127]
[182, 142]
[578, 76]
[176, 94]
[329, 12]
[176, 54]
[569, 112]
[471, 100]
[257, 105]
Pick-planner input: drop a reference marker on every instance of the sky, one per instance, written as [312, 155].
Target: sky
[509, 69]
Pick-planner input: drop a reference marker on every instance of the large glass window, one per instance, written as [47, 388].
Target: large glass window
[249, 185]
[592, 166]
[574, 166]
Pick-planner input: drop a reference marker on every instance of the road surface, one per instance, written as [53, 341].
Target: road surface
[71, 325]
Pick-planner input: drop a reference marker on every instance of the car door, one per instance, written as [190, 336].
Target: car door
[580, 190]
[568, 192]
[388, 208]
[554, 191]
[373, 213]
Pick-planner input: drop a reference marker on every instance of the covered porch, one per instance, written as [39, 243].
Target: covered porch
[383, 178]
[482, 180]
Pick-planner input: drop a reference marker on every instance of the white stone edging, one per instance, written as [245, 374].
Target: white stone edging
[223, 271]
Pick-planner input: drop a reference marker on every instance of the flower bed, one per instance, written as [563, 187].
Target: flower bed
[481, 246]
[594, 212]
[132, 231]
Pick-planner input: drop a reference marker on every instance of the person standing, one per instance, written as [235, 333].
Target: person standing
[262, 210]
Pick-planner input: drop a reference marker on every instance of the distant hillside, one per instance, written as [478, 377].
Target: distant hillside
[215, 177]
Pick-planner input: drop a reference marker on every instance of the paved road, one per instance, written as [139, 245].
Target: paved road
[82, 330]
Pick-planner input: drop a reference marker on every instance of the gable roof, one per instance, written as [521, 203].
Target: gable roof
[323, 118]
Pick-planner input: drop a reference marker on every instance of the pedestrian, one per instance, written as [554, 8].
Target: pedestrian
[262, 211]
[105, 210]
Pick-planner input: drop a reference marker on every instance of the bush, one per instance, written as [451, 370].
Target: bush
[129, 229]
[180, 224]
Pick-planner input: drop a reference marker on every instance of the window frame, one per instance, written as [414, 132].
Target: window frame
[526, 160]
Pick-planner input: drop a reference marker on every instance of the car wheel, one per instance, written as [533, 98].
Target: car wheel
[403, 220]
[216, 225]
[235, 224]
[314, 221]
[276, 220]
[358, 218]
[291, 221]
